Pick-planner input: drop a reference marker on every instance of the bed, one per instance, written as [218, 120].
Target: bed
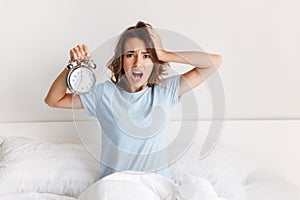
[47, 160]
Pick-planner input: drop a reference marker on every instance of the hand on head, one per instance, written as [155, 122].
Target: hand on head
[157, 43]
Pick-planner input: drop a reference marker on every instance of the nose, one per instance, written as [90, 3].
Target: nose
[138, 61]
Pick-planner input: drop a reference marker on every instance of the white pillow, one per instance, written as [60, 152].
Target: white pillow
[35, 196]
[31, 166]
[1, 139]
[226, 168]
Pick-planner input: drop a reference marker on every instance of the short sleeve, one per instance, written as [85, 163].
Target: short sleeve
[90, 100]
[172, 86]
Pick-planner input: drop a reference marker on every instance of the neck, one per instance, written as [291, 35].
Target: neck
[131, 89]
[125, 85]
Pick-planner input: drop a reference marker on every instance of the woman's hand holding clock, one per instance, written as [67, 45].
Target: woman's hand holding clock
[80, 53]
[80, 77]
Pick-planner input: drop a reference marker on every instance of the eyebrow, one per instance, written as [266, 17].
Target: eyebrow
[132, 51]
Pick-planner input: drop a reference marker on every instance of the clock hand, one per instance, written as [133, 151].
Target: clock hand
[81, 79]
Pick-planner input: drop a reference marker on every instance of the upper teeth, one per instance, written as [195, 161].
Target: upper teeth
[137, 73]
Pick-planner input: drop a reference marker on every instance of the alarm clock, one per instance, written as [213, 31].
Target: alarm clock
[80, 77]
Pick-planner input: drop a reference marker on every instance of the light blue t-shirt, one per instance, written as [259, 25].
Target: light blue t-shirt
[134, 125]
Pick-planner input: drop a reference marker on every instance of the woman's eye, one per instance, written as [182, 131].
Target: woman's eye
[129, 55]
[147, 56]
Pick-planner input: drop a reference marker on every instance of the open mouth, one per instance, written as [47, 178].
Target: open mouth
[137, 75]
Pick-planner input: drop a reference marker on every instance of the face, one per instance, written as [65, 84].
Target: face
[137, 64]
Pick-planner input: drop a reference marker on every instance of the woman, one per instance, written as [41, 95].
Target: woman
[134, 106]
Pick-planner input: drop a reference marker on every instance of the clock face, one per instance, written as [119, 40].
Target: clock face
[81, 80]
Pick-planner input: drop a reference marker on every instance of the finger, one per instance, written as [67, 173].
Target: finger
[78, 53]
[152, 31]
[81, 50]
[153, 34]
[73, 55]
[87, 53]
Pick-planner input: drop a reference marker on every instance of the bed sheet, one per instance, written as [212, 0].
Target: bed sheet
[131, 185]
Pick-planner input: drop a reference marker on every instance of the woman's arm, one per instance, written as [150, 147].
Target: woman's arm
[205, 64]
[57, 95]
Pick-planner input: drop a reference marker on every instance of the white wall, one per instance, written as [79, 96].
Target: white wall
[259, 42]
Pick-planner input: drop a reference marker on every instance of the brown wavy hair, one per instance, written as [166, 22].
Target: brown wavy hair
[116, 63]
